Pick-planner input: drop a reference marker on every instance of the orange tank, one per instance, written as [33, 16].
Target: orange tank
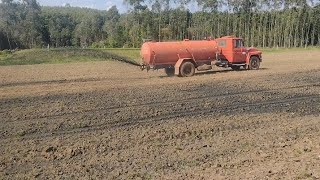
[162, 54]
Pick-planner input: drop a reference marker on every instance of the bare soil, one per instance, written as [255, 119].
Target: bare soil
[108, 120]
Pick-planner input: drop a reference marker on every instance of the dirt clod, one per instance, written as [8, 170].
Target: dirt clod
[51, 149]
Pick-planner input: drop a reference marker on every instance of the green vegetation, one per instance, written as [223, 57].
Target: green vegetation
[131, 53]
[274, 23]
[280, 50]
[5, 53]
[57, 56]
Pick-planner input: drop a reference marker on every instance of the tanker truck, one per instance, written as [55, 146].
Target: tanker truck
[185, 57]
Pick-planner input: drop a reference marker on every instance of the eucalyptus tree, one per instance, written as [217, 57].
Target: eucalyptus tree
[8, 19]
[112, 28]
[21, 22]
[266, 23]
[30, 24]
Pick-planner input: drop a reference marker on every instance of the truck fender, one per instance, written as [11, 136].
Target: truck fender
[249, 57]
[178, 65]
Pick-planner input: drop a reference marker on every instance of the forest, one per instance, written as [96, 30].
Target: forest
[25, 24]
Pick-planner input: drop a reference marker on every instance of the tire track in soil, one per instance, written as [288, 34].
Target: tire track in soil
[61, 81]
[217, 155]
[162, 118]
[49, 82]
[155, 103]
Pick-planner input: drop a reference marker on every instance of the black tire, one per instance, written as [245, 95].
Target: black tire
[236, 68]
[187, 69]
[169, 71]
[254, 63]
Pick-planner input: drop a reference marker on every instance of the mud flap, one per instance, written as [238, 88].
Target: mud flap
[177, 71]
[177, 67]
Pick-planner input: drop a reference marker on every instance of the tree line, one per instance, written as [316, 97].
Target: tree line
[262, 23]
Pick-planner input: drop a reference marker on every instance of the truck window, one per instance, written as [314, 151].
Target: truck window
[238, 43]
[222, 43]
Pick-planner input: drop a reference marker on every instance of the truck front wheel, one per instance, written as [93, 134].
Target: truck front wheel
[187, 69]
[254, 63]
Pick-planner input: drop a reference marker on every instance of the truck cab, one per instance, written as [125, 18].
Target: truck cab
[233, 53]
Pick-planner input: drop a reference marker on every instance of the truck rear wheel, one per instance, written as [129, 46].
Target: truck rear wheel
[254, 63]
[187, 69]
[169, 71]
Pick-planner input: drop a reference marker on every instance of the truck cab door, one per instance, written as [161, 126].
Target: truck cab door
[239, 51]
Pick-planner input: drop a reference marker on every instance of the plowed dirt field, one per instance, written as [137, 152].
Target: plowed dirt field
[108, 120]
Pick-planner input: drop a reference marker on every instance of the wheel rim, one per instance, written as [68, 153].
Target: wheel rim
[254, 64]
[187, 70]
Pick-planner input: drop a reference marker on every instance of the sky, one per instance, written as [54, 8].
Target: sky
[94, 4]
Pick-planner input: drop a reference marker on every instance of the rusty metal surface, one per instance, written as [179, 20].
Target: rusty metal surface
[159, 53]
